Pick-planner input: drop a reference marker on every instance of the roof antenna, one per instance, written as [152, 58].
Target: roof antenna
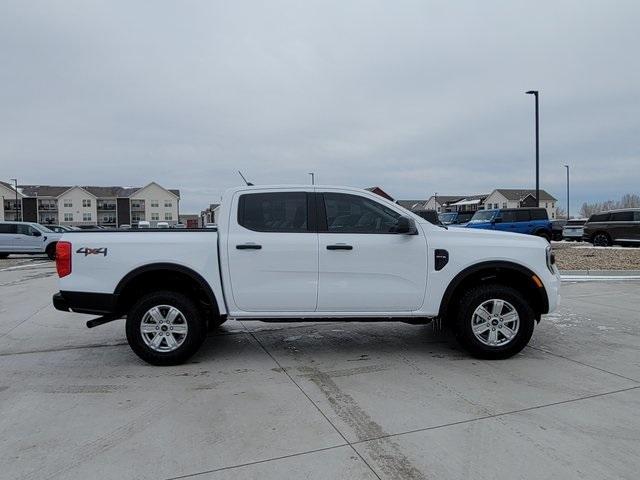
[249, 184]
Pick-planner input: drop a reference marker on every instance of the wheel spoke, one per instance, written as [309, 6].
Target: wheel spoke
[173, 313]
[493, 337]
[171, 341]
[180, 328]
[156, 314]
[148, 328]
[497, 307]
[156, 341]
[510, 317]
[483, 313]
[481, 328]
[507, 332]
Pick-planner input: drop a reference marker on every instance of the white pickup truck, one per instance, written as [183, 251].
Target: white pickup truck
[292, 253]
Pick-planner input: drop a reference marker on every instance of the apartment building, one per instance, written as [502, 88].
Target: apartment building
[90, 205]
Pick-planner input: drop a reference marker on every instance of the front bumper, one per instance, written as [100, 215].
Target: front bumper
[86, 302]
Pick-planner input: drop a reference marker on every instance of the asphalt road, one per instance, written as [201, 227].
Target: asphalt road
[318, 401]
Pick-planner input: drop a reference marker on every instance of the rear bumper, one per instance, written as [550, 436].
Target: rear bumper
[86, 302]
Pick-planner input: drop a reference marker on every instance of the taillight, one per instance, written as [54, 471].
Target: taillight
[63, 258]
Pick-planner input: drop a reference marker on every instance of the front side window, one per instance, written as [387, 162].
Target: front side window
[355, 214]
[25, 230]
[522, 216]
[508, 216]
[273, 212]
[599, 217]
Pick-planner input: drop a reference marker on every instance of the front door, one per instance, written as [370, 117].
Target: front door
[365, 266]
[29, 239]
[273, 252]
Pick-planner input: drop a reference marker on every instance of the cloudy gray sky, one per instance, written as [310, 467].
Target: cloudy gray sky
[415, 97]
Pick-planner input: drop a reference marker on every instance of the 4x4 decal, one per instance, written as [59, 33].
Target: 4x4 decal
[92, 251]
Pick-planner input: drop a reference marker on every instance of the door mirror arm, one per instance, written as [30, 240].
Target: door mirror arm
[406, 226]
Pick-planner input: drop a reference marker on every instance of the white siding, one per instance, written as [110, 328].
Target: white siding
[167, 204]
[79, 210]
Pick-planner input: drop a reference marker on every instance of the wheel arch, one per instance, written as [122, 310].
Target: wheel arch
[165, 276]
[514, 274]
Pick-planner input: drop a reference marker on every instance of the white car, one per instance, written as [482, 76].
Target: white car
[27, 237]
[308, 253]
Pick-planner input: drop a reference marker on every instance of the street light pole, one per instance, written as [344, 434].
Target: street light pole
[567, 167]
[535, 93]
[313, 180]
[15, 182]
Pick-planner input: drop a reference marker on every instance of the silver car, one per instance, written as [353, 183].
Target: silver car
[27, 237]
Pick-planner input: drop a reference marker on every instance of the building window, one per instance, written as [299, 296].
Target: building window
[553, 205]
[68, 217]
[168, 204]
[86, 217]
[136, 217]
[546, 204]
[135, 204]
[504, 204]
[168, 216]
[155, 216]
[154, 203]
[86, 202]
[68, 203]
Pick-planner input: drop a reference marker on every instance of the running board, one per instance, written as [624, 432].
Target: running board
[96, 322]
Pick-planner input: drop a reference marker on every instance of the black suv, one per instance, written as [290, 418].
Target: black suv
[616, 226]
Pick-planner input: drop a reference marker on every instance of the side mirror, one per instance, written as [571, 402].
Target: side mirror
[406, 226]
[36, 233]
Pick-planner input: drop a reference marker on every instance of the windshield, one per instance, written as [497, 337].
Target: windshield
[447, 218]
[45, 229]
[482, 216]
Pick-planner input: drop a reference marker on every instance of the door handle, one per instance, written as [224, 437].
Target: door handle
[249, 246]
[339, 246]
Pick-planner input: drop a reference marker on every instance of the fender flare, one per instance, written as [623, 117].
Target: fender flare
[490, 265]
[172, 267]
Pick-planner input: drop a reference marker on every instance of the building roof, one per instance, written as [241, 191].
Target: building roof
[519, 194]
[412, 204]
[98, 191]
[447, 198]
[380, 191]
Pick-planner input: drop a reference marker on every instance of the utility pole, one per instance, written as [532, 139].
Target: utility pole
[567, 167]
[313, 179]
[535, 93]
[15, 182]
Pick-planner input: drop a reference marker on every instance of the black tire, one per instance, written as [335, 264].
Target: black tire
[474, 298]
[4, 255]
[51, 251]
[196, 328]
[601, 239]
[214, 323]
[544, 235]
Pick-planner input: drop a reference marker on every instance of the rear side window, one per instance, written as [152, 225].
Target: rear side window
[273, 212]
[622, 217]
[508, 216]
[522, 216]
[539, 214]
[7, 228]
[599, 217]
[354, 214]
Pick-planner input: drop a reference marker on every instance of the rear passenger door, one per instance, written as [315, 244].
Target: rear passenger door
[364, 266]
[523, 221]
[507, 221]
[8, 237]
[621, 226]
[272, 249]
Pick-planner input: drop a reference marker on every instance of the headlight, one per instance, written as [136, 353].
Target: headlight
[551, 259]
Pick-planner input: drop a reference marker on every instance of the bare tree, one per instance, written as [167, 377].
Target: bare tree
[629, 200]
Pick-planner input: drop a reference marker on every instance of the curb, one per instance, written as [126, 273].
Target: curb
[601, 273]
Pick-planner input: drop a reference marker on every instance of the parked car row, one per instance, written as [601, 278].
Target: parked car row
[27, 238]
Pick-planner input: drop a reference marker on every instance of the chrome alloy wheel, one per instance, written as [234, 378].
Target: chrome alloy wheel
[495, 322]
[163, 328]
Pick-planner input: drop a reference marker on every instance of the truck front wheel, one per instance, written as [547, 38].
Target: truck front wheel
[165, 328]
[494, 321]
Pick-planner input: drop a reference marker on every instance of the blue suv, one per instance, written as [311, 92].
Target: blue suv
[531, 221]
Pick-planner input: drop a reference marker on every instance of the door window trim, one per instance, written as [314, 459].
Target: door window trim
[321, 212]
[311, 217]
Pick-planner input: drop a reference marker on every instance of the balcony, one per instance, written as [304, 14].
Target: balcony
[106, 206]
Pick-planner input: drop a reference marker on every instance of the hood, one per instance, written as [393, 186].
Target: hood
[497, 236]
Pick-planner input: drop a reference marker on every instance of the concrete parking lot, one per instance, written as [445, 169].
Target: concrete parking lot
[319, 401]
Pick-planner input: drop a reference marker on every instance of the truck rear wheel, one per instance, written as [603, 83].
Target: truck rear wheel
[494, 321]
[165, 328]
